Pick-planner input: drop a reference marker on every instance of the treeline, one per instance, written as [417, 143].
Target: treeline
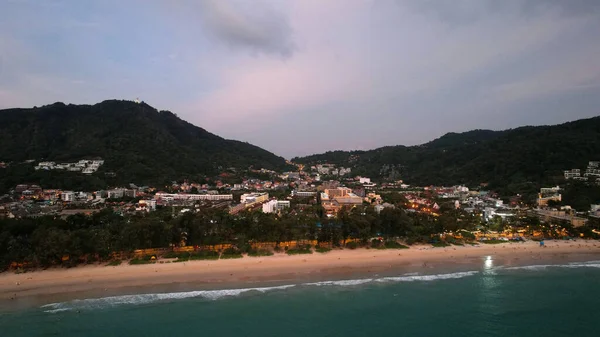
[44, 241]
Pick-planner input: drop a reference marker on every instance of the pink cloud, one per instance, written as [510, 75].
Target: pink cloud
[261, 88]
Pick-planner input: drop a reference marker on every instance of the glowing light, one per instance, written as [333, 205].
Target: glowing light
[489, 263]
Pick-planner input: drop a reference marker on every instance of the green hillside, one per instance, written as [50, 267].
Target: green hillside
[511, 158]
[138, 143]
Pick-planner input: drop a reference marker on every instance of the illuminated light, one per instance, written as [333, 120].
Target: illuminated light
[489, 263]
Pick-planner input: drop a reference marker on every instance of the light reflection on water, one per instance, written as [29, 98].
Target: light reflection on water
[489, 263]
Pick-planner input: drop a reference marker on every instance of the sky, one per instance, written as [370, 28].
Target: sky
[308, 76]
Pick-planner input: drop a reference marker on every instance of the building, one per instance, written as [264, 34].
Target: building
[303, 194]
[373, 198]
[273, 206]
[333, 200]
[67, 196]
[237, 208]
[574, 173]
[331, 184]
[344, 171]
[88, 170]
[379, 208]
[146, 205]
[560, 216]
[131, 193]
[504, 213]
[193, 197]
[548, 194]
[116, 193]
[592, 170]
[291, 175]
[324, 168]
[84, 166]
[269, 206]
[248, 198]
[364, 180]
[45, 165]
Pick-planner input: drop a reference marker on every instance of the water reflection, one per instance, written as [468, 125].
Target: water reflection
[488, 264]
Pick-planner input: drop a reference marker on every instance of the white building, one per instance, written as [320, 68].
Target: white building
[116, 193]
[461, 189]
[490, 212]
[67, 196]
[364, 180]
[324, 169]
[88, 170]
[185, 196]
[303, 194]
[269, 206]
[45, 165]
[275, 206]
[574, 173]
[549, 190]
[344, 171]
[84, 166]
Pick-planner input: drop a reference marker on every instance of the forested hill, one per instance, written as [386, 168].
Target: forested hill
[518, 156]
[137, 142]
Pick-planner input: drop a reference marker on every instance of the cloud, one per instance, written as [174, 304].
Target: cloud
[263, 90]
[254, 26]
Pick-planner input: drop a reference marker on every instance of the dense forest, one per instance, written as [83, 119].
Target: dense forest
[138, 143]
[44, 241]
[511, 161]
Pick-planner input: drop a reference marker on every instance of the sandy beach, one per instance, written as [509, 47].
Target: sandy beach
[101, 280]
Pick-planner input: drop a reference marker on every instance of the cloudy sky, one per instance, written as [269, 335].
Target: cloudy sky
[306, 76]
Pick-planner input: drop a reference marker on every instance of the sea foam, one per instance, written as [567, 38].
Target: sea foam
[112, 301]
[413, 278]
[589, 264]
[138, 299]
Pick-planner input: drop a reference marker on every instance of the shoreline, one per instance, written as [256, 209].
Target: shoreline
[93, 281]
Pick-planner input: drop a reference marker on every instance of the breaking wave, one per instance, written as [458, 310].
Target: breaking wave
[589, 264]
[112, 301]
[138, 299]
[413, 278]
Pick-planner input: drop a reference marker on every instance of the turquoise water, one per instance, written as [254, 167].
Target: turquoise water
[541, 300]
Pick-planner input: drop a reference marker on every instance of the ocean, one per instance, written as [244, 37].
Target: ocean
[537, 300]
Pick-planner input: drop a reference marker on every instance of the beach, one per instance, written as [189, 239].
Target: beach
[46, 286]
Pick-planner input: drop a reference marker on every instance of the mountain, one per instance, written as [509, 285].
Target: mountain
[138, 143]
[508, 159]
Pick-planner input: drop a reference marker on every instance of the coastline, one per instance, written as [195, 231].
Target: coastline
[94, 281]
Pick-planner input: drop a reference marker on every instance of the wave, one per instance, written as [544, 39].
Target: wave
[342, 283]
[112, 301]
[427, 277]
[589, 264]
